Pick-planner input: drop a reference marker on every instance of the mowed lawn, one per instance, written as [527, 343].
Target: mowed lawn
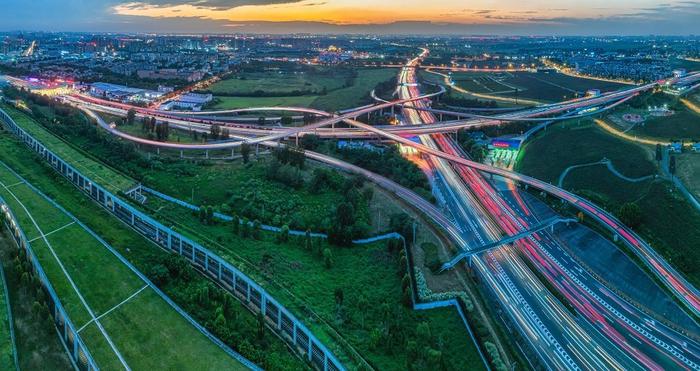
[683, 124]
[98, 172]
[94, 287]
[569, 143]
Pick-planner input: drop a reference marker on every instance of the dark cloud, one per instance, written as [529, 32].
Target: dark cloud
[210, 4]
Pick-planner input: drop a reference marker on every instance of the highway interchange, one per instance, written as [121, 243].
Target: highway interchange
[606, 331]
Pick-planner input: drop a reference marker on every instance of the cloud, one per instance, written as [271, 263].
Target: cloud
[206, 4]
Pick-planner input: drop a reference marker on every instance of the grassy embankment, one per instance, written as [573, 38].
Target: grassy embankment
[669, 222]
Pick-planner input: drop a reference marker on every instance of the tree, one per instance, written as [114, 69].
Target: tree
[362, 306]
[261, 326]
[672, 165]
[236, 224]
[310, 141]
[286, 120]
[345, 214]
[210, 214]
[339, 296]
[658, 152]
[308, 243]
[284, 233]
[245, 152]
[159, 274]
[245, 228]
[307, 118]
[256, 229]
[327, 257]
[631, 214]
[261, 120]
[202, 214]
[130, 116]
[215, 131]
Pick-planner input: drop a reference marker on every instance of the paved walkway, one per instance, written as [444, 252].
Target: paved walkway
[610, 167]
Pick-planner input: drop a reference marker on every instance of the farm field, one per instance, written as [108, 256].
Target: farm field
[551, 87]
[357, 94]
[95, 287]
[322, 91]
[280, 83]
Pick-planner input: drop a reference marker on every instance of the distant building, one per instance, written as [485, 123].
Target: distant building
[122, 93]
[506, 143]
[679, 72]
[695, 147]
[165, 89]
[189, 101]
[170, 74]
[593, 92]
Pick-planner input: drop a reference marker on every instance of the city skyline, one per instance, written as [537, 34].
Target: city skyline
[341, 16]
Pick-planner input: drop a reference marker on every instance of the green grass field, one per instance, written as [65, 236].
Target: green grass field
[551, 87]
[337, 95]
[307, 286]
[278, 82]
[89, 278]
[145, 256]
[244, 102]
[246, 188]
[670, 224]
[107, 177]
[569, 143]
[357, 94]
[683, 124]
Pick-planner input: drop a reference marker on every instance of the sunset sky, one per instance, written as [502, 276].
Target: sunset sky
[388, 16]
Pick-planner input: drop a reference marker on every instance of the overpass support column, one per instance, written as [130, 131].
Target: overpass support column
[181, 154]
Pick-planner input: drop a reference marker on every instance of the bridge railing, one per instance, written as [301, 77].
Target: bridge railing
[77, 351]
[252, 295]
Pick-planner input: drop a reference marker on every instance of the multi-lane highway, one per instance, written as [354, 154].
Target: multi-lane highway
[605, 331]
